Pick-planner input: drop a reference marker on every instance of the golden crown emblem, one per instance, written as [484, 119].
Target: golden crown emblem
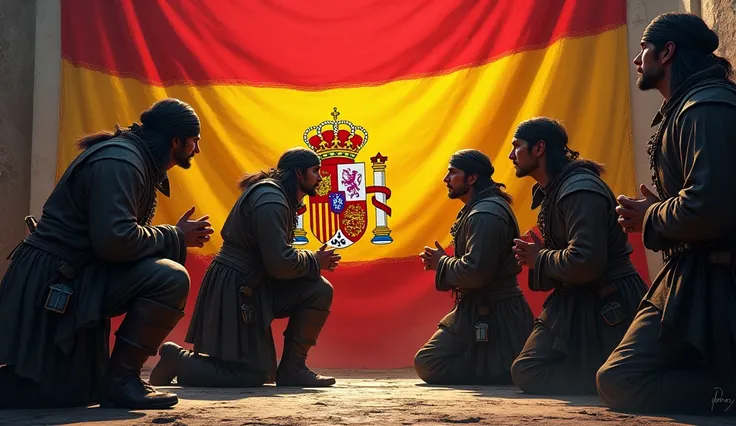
[336, 138]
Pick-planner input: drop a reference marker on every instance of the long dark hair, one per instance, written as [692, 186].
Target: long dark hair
[695, 45]
[484, 183]
[558, 154]
[163, 121]
[476, 162]
[285, 173]
[287, 178]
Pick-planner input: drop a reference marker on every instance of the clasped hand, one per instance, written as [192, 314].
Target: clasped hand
[527, 252]
[327, 259]
[196, 232]
[431, 256]
[631, 211]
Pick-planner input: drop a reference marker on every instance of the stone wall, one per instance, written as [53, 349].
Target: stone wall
[17, 35]
[644, 105]
[46, 101]
[721, 16]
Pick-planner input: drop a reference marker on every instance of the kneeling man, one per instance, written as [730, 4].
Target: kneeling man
[485, 331]
[258, 276]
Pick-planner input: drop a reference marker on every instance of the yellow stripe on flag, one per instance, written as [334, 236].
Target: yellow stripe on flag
[416, 123]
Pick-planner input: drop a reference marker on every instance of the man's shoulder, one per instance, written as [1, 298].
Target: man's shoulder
[583, 181]
[716, 94]
[265, 192]
[493, 205]
[115, 149]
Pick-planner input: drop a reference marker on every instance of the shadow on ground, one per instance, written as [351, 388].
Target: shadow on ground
[360, 397]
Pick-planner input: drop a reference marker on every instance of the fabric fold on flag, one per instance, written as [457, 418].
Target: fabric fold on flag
[384, 92]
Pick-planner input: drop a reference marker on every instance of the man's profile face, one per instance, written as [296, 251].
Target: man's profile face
[525, 162]
[184, 151]
[309, 181]
[649, 67]
[457, 183]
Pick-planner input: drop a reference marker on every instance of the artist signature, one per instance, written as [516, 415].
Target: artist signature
[719, 399]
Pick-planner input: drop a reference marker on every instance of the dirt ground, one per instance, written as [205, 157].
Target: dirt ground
[361, 397]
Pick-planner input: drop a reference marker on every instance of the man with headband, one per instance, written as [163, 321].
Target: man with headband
[479, 339]
[582, 257]
[679, 355]
[258, 276]
[95, 255]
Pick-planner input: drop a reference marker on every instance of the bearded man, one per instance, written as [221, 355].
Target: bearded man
[95, 255]
[479, 339]
[679, 356]
[257, 276]
[583, 257]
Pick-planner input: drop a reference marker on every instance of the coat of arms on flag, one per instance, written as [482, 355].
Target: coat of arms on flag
[338, 214]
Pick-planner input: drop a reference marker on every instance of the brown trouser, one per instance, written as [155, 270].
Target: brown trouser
[446, 359]
[542, 370]
[648, 374]
[452, 356]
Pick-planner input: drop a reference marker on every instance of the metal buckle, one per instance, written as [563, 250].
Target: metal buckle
[248, 313]
[58, 298]
[481, 331]
[612, 313]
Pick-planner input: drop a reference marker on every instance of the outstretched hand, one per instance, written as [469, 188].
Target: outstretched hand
[196, 232]
[631, 211]
[431, 256]
[327, 259]
[527, 252]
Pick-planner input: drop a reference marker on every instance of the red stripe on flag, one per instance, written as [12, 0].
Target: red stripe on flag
[285, 43]
[382, 311]
[323, 222]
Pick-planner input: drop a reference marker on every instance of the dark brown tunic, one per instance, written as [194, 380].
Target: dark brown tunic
[682, 345]
[98, 219]
[257, 253]
[483, 273]
[596, 289]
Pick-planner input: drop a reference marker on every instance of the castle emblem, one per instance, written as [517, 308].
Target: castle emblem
[338, 213]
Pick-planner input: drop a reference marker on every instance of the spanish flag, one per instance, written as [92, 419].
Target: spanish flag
[384, 91]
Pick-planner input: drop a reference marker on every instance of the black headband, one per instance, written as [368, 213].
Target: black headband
[684, 30]
[298, 158]
[472, 161]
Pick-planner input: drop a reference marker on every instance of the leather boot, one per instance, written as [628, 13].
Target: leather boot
[192, 369]
[300, 335]
[145, 326]
[167, 367]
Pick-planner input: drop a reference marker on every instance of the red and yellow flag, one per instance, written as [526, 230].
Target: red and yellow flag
[385, 91]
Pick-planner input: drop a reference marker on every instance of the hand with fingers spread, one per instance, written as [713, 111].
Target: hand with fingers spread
[631, 211]
[527, 252]
[196, 232]
[327, 259]
[431, 256]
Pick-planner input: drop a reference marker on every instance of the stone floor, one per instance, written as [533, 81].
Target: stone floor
[361, 397]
